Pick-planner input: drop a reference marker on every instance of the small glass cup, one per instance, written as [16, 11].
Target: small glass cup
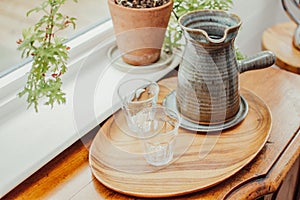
[157, 130]
[135, 95]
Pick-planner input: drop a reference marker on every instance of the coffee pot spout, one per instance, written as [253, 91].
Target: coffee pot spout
[261, 60]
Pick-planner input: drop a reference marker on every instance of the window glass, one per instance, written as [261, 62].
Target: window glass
[13, 20]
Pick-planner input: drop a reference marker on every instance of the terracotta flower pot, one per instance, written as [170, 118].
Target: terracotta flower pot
[140, 32]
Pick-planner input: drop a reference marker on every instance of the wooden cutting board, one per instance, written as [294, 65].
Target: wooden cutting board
[279, 39]
[200, 160]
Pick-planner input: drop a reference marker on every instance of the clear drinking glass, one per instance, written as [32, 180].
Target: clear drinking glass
[135, 95]
[157, 130]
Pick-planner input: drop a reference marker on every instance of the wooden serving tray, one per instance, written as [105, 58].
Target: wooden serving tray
[200, 160]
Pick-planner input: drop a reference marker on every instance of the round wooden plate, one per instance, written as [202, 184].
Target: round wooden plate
[279, 39]
[200, 160]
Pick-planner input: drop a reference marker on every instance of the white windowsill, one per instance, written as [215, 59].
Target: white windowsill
[29, 140]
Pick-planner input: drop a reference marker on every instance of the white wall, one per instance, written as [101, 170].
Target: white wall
[257, 16]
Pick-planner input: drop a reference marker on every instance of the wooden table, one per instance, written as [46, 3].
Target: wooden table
[273, 172]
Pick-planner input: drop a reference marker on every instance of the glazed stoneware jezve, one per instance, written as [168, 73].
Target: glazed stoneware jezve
[208, 77]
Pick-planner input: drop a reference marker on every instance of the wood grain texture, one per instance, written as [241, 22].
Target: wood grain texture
[69, 176]
[200, 160]
[279, 39]
[272, 183]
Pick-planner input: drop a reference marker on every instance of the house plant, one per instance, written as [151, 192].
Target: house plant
[140, 28]
[49, 54]
[131, 35]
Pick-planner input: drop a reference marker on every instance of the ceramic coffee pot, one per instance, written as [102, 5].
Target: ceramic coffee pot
[208, 77]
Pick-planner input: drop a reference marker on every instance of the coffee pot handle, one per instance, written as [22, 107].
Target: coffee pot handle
[261, 60]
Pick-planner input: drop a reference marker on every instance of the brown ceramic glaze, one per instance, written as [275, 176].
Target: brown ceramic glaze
[140, 32]
[208, 81]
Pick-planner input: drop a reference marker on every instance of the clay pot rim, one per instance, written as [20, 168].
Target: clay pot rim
[141, 9]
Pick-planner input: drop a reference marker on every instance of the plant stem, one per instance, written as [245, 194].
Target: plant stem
[175, 15]
[51, 25]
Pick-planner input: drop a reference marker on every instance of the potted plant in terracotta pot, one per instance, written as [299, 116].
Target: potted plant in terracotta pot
[144, 27]
[140, 27]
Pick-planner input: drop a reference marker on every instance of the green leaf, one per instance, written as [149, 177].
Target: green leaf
[49, 55]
